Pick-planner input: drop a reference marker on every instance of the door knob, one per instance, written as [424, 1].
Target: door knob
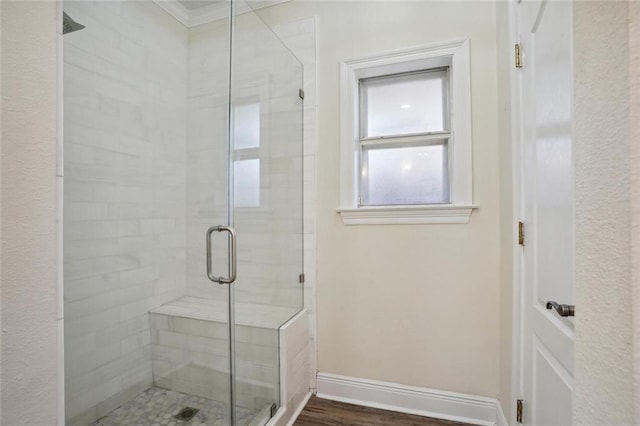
[562, 310]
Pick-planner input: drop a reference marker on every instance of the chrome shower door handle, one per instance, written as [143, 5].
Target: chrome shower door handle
[232, 256]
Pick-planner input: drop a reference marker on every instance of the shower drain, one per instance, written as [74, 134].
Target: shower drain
[186, 414]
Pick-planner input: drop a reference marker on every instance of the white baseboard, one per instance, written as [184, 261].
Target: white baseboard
[412, 400]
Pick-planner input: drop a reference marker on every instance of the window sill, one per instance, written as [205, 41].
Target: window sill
[407, 215]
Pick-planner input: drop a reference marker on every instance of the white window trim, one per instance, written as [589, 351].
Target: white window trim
[455, 54]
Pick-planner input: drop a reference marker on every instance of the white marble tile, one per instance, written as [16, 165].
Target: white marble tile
[125, 144]
[59, 247]
[61, 370]
[60, 99]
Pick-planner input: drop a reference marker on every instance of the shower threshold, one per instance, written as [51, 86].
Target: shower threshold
[157, 406]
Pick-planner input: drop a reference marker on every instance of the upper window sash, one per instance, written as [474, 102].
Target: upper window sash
[420, 98]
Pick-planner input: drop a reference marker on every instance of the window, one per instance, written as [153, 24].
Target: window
[246, 153]
[404, 133]
[406, 137]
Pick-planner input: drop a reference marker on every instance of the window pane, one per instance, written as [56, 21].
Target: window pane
[246, 126]
[246, 183]
[403, 105]
[407, 175]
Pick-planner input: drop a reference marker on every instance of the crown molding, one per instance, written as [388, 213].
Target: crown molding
[211, 13]
[175, 9]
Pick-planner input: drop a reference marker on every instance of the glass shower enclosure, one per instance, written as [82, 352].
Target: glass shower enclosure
[182, 211]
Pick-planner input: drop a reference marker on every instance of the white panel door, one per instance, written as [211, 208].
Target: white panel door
[547, 337]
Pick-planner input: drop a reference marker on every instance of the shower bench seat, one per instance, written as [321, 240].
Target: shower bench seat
[246, 314]
[190, 349]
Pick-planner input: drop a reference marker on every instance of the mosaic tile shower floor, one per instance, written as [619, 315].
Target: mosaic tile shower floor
[156, 407]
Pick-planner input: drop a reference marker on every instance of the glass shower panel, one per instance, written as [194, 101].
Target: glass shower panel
[146, 148]
[267, 206]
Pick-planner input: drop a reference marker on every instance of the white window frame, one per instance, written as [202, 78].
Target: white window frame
[452, 54]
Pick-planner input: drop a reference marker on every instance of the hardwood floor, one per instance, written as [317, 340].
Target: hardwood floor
[323, 412]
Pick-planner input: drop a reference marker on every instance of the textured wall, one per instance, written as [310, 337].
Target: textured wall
[125, 131]
[28, 202]
[604, 350]
[634, 161]
[416, 305]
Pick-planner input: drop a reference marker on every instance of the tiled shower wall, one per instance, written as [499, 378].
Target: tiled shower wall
[207, 171]
[270, 248]
[125, 92]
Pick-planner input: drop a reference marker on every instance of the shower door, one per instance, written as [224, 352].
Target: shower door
[266, 158]
[265, 216]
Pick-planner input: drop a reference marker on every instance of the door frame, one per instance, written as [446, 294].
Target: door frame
[514, 132]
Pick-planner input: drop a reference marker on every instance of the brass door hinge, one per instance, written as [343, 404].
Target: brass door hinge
[519, 410]
[521, 233]
[301, 278]
[518, 55]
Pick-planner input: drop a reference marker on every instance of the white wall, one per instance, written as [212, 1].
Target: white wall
[125, 137]
[603, 289]
[416, 305]
[28, 352]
